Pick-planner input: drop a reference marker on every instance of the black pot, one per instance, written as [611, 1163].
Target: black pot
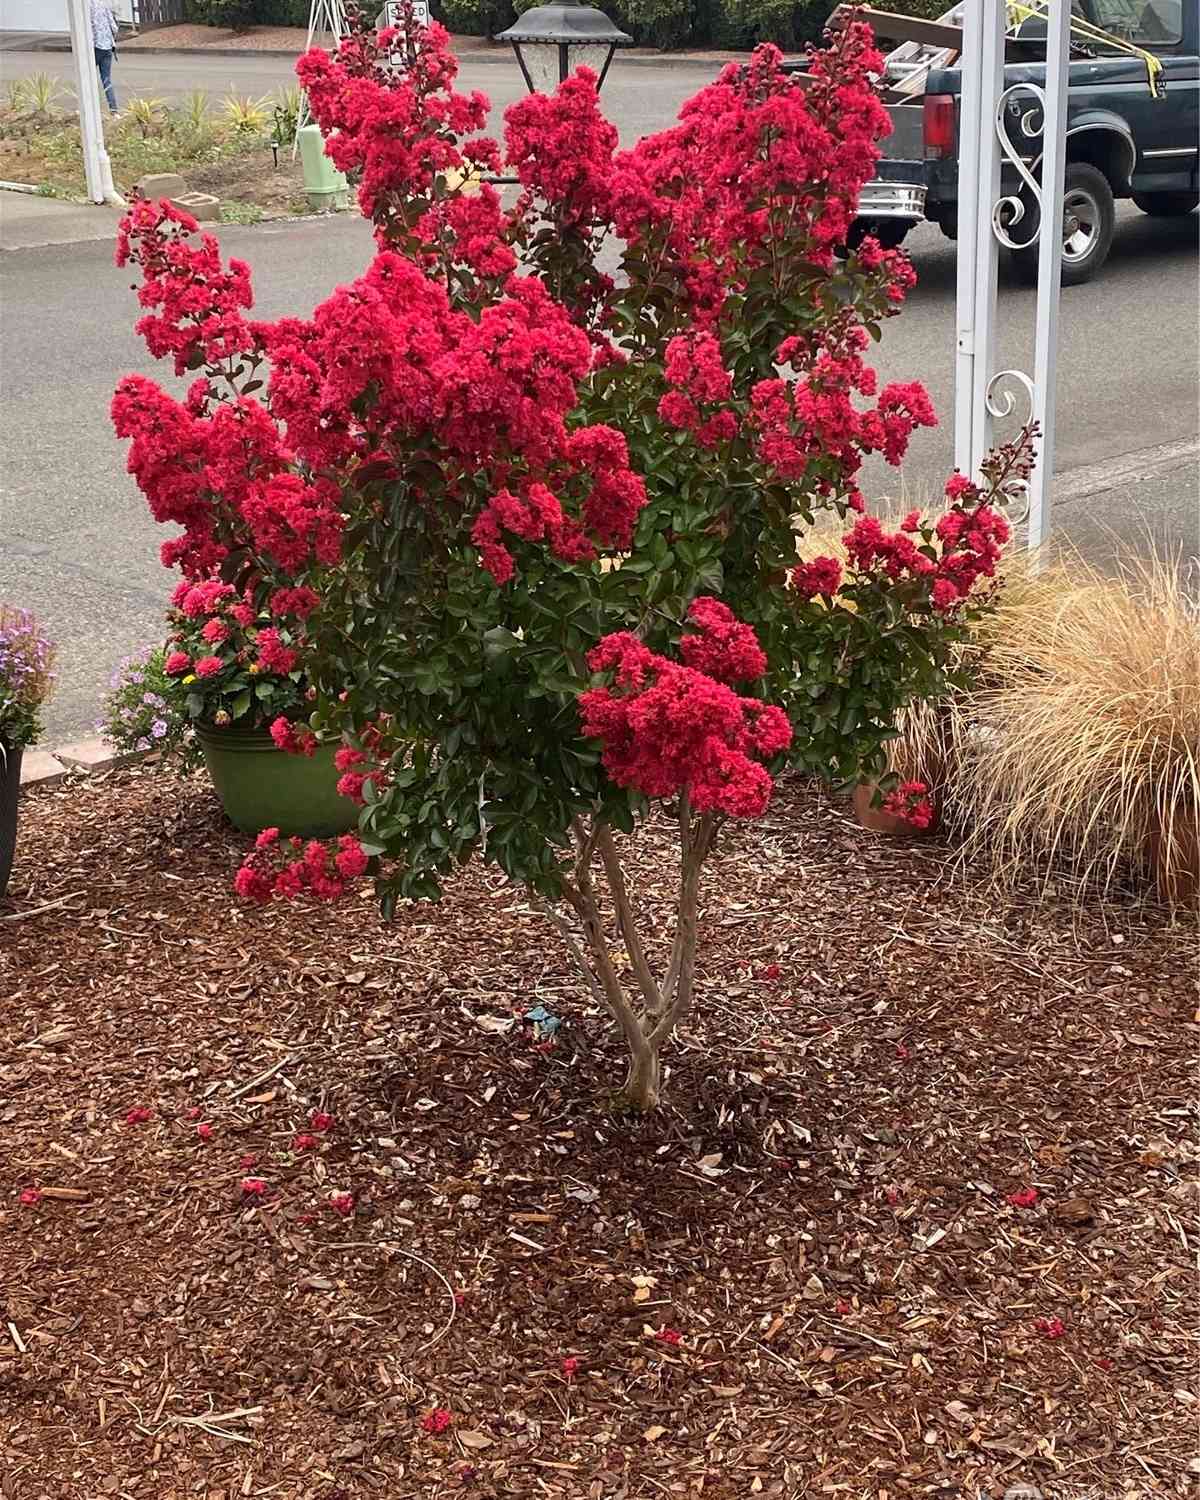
[10, 787]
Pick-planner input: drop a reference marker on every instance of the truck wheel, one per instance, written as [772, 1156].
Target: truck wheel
[1089, 217]
[889, 232]
[1166, 205]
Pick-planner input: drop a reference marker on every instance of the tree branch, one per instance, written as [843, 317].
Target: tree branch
[683, 956]
[625, 923]
[572, 942]
[685, 845]
[582, 899]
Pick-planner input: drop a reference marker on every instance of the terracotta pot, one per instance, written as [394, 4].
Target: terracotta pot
[1180, 886]
[878, 821]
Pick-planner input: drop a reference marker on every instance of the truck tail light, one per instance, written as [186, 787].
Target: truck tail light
[938, 126]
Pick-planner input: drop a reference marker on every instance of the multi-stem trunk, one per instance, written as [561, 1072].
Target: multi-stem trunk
[648, 1010]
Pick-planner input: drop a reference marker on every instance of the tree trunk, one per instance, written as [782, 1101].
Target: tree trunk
[644, 1081]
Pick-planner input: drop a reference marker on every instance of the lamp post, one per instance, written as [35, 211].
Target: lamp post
[552, 40]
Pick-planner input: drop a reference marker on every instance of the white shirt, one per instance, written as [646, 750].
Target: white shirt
[104, 27]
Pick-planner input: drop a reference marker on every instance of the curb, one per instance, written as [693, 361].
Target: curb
[663, 60]
[82, 758]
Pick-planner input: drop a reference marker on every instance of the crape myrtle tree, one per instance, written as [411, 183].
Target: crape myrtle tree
[531, 527]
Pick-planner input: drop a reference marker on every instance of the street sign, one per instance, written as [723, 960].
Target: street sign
[390, 14]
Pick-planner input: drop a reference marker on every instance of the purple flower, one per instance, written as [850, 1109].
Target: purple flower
[25, 676]
[158, 728]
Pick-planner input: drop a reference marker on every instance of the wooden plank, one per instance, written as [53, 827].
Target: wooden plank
[900, 28]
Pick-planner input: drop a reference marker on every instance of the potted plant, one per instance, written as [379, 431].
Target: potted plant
[228, 687]
[144, 709]
[26, 658]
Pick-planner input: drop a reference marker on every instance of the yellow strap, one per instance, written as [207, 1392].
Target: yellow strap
[1037, 10]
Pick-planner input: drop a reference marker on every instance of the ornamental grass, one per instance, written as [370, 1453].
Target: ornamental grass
[1075, 747]
[1086, 744]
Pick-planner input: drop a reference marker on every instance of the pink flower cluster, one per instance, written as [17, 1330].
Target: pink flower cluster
[396, 127]
[754, 150]
[595, 465]
[910, 801]
[199, 319]
[367, 761]
[970, 537]
[293, 739]
[699, 381]
[723, 646]
[668, 728]
[292, 868]
[823, 575]
[561, 148]
[804, 428]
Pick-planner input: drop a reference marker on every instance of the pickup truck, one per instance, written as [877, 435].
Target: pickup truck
[1133, 126]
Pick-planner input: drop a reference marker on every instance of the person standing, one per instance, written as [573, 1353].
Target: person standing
[104, 42]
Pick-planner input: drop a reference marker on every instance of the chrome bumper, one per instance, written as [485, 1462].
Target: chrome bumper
[891, 200]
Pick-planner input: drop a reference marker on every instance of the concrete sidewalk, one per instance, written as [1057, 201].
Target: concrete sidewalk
[27, 220]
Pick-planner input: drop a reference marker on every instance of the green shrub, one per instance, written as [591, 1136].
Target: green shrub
[236, 14]
[477, 17]
[287, 115]
[731, 25]
[665, 24]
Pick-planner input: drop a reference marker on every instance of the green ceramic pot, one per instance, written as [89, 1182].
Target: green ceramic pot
[261, 786]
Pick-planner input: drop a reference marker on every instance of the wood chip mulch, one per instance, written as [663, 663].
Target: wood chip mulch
[919, 1216]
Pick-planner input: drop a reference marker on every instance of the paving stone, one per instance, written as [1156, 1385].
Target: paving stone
[93, 755]
[162, 185]
[203, 207]
[39, 768]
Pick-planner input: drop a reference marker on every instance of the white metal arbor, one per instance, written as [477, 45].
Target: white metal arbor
[985, 215]
[326, 28]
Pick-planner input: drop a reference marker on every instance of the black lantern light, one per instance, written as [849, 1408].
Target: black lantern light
[552, 40]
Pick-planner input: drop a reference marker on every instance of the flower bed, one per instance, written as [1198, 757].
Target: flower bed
[833, 1211]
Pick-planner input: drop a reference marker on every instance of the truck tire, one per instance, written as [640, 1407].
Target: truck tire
[889, 232]
[1166, 205]
[1089, 217]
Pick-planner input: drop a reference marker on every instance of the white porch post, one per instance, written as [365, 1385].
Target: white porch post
[984, 217]
[1045, 356]
[978, 260]
[970, 139]
[88, 89]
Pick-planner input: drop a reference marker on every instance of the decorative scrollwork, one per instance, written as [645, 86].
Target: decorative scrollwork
[1018, 492]
[1002, 403]
[1008, 211]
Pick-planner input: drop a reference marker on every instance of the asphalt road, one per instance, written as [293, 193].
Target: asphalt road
[78, 545]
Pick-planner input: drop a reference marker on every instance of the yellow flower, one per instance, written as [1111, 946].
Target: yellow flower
[191, 677]
[254, 669]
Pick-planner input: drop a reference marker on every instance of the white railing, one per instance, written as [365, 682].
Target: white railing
[985, 215]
